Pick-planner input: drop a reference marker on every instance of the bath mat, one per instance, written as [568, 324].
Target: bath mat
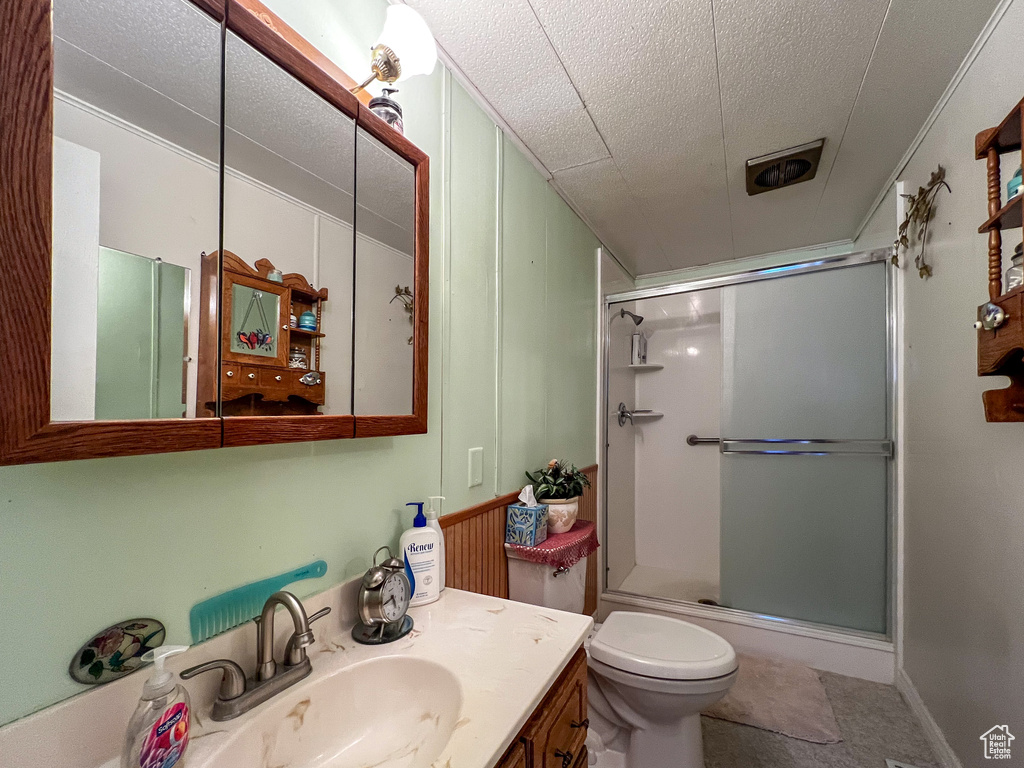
[782, 697]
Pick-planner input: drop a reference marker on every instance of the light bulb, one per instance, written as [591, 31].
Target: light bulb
[407, 34]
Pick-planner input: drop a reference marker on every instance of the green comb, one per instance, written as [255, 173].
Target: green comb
[237, 606]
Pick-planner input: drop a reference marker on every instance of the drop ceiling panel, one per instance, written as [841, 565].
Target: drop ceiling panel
[682, 92]
[503, 50]
[790, 73]
[907, 76]
[598, 189]
[647, 73]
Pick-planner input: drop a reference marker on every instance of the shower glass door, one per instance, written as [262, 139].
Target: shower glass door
[806, 447]
[754, 473]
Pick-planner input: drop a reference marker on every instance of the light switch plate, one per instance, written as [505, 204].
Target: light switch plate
[890, 763]
[476, 467]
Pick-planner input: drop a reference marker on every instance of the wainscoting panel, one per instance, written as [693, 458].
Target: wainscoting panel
[588, 511]
[474, 540]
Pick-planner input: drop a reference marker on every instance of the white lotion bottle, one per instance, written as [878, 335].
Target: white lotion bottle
[158, 731]
[432, 515]
[420, 547]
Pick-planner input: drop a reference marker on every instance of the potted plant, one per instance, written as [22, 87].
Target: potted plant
[559, 487]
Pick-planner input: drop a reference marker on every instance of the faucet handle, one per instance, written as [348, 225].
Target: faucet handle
[296, 650]
[319, 614]
[232, 684]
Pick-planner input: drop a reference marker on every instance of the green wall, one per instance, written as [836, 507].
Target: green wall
[512, 370]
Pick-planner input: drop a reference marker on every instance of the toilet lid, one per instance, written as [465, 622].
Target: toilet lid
[657, 646]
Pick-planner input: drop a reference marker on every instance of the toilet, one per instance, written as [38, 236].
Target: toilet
[649, 677]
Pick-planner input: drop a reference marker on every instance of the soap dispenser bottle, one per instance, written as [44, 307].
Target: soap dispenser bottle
[157, 735]
[432, 515]
[420, 548]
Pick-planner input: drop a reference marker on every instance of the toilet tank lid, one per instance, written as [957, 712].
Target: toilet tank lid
[657, 646]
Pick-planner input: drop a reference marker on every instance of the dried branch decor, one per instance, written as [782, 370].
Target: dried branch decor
[920, 211]
[408, 301]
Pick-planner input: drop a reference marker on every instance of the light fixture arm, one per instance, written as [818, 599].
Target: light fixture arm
[386, 67]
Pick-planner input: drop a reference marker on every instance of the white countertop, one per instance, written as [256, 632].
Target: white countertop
[505, 655]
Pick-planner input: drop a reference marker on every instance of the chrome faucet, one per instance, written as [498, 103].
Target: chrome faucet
[266, 667]
[238, 694]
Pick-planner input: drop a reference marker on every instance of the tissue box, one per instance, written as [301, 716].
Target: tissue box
[526, 525]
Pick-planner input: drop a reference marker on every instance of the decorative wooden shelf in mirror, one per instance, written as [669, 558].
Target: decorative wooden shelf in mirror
[1000, 321]
[270, 365]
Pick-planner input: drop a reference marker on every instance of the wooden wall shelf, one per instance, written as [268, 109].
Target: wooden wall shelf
[1007, 217]
[1001, 350]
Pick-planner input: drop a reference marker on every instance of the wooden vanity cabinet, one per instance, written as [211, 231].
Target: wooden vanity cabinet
[555, 735]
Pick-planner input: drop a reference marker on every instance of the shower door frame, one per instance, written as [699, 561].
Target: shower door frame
[736, 615]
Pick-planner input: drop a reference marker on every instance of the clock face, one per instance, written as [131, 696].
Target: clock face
[394, 596]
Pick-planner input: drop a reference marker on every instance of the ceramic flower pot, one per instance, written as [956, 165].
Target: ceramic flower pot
[561, 513]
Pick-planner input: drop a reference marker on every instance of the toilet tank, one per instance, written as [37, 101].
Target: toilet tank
[539, 584]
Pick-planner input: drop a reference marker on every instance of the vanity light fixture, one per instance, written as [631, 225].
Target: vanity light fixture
[405, 35]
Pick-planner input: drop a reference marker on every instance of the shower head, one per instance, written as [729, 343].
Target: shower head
[637, 319]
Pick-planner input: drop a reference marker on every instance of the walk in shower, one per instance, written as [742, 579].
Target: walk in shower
[748, 443]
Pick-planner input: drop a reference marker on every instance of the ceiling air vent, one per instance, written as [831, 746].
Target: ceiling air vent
[781, 169]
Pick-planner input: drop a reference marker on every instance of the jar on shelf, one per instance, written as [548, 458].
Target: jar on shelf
[307, 321]
[298, 358]
[1015, 272]
[388, 110]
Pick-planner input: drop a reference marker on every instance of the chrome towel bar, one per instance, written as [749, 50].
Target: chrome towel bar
[694, 440]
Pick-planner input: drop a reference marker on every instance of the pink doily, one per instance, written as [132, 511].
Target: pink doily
[561, 550]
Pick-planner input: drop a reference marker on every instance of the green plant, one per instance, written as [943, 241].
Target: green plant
[555, 481]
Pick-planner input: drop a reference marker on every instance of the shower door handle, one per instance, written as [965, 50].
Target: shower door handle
[807, 447]
[797, 447]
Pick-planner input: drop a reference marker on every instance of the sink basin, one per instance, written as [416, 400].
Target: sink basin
[391, 712]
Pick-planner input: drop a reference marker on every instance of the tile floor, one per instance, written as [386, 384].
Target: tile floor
[874, 721]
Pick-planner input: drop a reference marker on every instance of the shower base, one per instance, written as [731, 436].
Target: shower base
[670, 584]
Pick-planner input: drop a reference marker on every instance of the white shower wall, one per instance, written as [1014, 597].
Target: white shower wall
[621, 534]
[675, 522]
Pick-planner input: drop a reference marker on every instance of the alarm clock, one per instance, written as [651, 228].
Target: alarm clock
[383, 602]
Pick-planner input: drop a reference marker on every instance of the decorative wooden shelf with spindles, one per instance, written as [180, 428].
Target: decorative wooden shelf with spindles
[1001, 350]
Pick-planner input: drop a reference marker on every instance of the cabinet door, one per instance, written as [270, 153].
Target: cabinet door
[255, 328]
[557, 738]
[515, 757]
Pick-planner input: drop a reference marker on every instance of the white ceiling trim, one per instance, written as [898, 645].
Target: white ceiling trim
[961, 72]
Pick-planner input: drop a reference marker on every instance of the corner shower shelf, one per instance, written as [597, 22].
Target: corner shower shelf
[647, 367]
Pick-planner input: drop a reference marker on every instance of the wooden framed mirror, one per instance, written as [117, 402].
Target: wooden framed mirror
[116, 200]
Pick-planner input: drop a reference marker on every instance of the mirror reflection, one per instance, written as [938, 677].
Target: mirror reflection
[286, 284]
[142, 314]
[135, 188]
[385, 272]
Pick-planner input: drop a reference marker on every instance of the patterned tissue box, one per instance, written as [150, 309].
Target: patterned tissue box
[526, 525]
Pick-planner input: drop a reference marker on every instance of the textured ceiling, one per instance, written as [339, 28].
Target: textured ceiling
[643, 112]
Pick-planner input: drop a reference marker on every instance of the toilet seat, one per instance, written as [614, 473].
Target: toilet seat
[660, 647]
